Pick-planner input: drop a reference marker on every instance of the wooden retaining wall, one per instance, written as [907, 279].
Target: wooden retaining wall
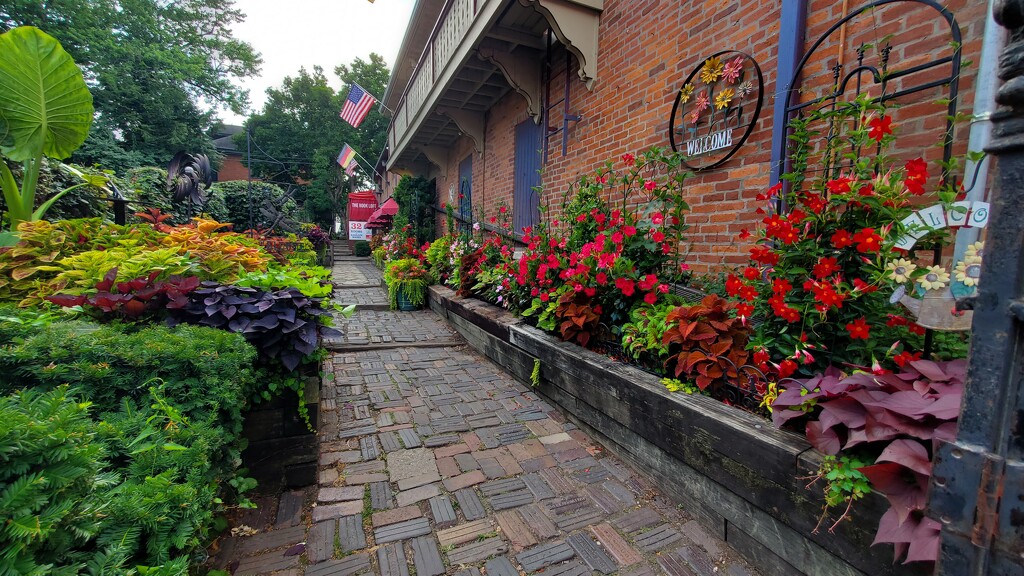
[743, 479]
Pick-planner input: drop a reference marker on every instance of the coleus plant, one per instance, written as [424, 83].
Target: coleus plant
[578, 317]
[706, 341]
[131, 299]
[893, 420]
[283, 325]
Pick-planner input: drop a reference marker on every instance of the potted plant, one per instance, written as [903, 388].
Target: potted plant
[407, 282]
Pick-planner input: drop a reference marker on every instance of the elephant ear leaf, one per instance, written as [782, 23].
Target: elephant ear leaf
[45, 105]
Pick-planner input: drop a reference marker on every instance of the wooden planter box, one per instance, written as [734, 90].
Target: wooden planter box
[282, 452]
[738, 475]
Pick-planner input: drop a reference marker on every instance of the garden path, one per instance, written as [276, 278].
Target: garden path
[435, 461]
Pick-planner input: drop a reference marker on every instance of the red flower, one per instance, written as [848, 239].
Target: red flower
[868, 240]
[840, 185]
[626, 285]
[651, 297]
[650, 185]
[628, 158]
[917, 175]
[866, 190]
[600, 218]
[842, 239]
[787, 368]
[744, 310]
[658, 236]
[815, 203]
[916, 329]
[903, 358]
[657, 218]
[880, 127]
[601, 278]
[544, 297]
[581, 218]
[788, 234]
[781, 286]
[733, 285]
[663, 288]
[648, 282]
[895, 320]
[771, 193]
[629, 231]
[764, 255]
[859, 329]
[825, 267]
[862, 286]
[761, 356]
[744, 234]
[748, 293]
[751, 273]
[617, 238]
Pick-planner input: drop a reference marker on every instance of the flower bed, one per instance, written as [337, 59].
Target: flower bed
[742, 478]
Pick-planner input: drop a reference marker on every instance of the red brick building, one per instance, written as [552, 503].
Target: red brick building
[494, 97]
[231, 167]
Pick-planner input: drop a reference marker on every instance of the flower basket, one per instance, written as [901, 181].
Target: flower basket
[403, 301]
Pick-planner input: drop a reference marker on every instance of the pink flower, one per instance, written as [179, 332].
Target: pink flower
[732, 70]
[650, 185]
[657, 218]
[628, 158]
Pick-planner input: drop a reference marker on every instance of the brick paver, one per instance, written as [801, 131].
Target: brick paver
[435, 461]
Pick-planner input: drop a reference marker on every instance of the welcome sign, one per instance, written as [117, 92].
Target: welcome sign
[716, 109]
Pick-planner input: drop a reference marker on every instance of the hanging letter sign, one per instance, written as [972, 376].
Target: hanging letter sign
[925, 220]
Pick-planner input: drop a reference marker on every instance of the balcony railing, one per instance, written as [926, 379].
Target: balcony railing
[448, 34]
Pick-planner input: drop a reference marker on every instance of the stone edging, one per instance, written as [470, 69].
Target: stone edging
[742, 478]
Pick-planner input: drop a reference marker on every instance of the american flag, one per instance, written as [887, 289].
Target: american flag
[351, 169]
[357, 105]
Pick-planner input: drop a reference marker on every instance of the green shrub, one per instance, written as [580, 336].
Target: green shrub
[362, 248]
[50, 471]
[204, 371]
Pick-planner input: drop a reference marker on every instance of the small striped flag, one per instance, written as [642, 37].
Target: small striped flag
[351, 170]
[346, 156]
[357, 105]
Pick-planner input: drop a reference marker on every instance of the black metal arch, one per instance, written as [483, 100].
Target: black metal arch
[881, 76]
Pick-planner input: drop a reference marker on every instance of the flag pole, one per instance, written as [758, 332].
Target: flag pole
[374, 169]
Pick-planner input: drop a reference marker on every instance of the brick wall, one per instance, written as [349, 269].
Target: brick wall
[232, 169]
[647, 48]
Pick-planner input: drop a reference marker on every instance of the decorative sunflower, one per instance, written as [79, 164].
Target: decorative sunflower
[711, 71]
[901, 269]
[685, 92]
[723, 98]
[975, 251]
[968, 272]
[935, 278]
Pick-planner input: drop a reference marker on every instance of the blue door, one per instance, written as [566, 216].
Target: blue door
[525, 199]
[466, 191]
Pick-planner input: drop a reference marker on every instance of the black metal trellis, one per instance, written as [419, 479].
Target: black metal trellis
[883, 74]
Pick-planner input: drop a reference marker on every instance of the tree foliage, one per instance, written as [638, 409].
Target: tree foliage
[298, 134]
[155, 69]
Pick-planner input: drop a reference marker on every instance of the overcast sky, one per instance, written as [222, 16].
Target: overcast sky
[305, 33]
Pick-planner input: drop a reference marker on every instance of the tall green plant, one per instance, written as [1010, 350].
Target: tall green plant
[45, 110]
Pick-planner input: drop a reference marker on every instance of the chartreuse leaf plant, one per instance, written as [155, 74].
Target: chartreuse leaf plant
[45, 111]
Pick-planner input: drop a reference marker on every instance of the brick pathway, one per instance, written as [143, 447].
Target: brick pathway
[434, 461]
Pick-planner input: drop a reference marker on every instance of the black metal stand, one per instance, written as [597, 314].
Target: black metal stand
[977, 489]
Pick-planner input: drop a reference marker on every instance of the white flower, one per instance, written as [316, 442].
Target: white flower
[968, 272]
[476, 225]
[934, 279]
[901, 269]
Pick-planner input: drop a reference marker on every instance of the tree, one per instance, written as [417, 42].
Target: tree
[298, 134]
[152, 67]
